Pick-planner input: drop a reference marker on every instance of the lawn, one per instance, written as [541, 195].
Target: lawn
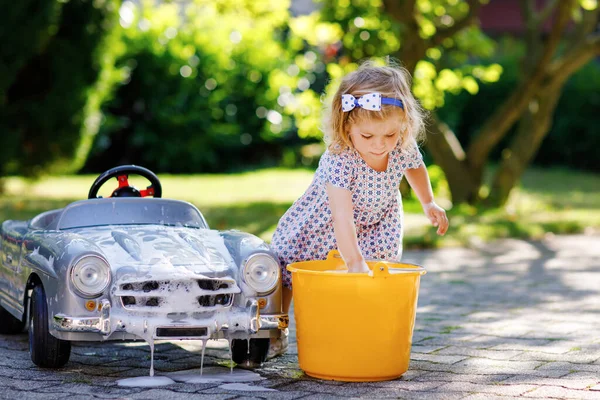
[557, 201]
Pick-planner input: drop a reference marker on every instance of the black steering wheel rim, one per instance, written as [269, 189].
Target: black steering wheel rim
[155, 186]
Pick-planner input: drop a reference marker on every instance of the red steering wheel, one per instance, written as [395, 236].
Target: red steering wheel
[125, 189]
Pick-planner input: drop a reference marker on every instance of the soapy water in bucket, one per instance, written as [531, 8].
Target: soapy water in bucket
[392, 271]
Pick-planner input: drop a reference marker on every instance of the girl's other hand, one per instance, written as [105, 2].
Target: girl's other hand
[358, 267]
[437, 216]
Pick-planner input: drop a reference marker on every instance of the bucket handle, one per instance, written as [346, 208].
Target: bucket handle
[333, 254]
[380, 269]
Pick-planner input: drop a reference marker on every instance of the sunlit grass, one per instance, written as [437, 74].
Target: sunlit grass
[558, 201]
[269, 185]
[251, 202]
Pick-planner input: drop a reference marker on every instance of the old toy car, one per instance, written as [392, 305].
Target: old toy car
[127, 267]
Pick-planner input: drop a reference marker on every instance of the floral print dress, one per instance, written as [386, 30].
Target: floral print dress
[305, 232]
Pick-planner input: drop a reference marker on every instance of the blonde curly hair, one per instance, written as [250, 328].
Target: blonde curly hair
[391, 81]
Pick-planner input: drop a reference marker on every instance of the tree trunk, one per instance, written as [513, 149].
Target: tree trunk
[449, 155]
[413, 50]
[532, 129]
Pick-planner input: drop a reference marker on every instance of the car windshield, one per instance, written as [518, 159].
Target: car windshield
[130, 211]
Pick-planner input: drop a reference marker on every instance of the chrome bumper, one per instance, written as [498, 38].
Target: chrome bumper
[102, 324]
[268, 322]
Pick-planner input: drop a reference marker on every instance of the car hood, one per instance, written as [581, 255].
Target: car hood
[162, 250]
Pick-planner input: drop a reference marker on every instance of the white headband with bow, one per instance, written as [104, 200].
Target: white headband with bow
[369, 101]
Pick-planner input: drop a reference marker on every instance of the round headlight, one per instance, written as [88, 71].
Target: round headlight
[261, 273]
[90, 276]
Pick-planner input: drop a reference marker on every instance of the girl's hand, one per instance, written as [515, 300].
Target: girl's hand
[437, 216]
[358, 267]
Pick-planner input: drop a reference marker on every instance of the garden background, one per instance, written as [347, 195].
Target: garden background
[222, 99]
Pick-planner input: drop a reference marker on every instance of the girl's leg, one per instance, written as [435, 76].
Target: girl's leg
[279, 345]
[287, 299]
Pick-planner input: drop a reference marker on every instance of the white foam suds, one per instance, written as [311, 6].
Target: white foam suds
[151, 343]
[47, 262]
[159, 285]
[146, 381]
[230, 354]
[246, 388]
[216, 375]
[204, 341]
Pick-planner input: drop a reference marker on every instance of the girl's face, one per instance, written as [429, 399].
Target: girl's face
[375, 139]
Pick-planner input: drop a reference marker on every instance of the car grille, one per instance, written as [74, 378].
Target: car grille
[188, 332]
[199, 295]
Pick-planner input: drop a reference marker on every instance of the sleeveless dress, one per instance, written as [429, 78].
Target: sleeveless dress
[305, 232]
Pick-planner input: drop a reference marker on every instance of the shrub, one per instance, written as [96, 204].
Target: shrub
[53, 81]
[204, 88]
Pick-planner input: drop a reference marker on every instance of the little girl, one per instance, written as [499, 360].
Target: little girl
[353, 203]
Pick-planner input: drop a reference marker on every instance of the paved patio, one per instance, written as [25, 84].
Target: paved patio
[510, 319]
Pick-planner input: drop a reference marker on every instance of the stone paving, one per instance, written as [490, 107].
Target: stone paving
[510, 319]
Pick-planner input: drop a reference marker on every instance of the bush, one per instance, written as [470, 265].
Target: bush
[54, 78]
[202, 90]
[574, 140]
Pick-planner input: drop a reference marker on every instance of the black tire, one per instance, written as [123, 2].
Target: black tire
[259, 348]
[46, 350]
[9, 325]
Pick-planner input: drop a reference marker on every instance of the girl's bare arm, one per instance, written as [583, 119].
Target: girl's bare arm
[418, 178]
[340, 203]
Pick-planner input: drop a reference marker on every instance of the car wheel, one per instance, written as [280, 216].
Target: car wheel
[259, 348]
[9, 324]
[46, 350]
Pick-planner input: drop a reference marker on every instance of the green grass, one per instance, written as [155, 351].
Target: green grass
[548, 201]
[558, 201]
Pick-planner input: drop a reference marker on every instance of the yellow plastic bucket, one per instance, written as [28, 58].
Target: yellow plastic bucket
[354, 327]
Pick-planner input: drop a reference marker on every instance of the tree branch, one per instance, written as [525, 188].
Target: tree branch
[543, 15]
[587, 26]
[467, 20]
[413, 45]
[561, 21]
[533, 35]
[509, 112]
[527, 11]
[561, 69]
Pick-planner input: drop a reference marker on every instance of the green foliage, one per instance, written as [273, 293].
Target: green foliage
[32, 23]
[348, 32]
[220, 86]
[55, 81]
[204, 87]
